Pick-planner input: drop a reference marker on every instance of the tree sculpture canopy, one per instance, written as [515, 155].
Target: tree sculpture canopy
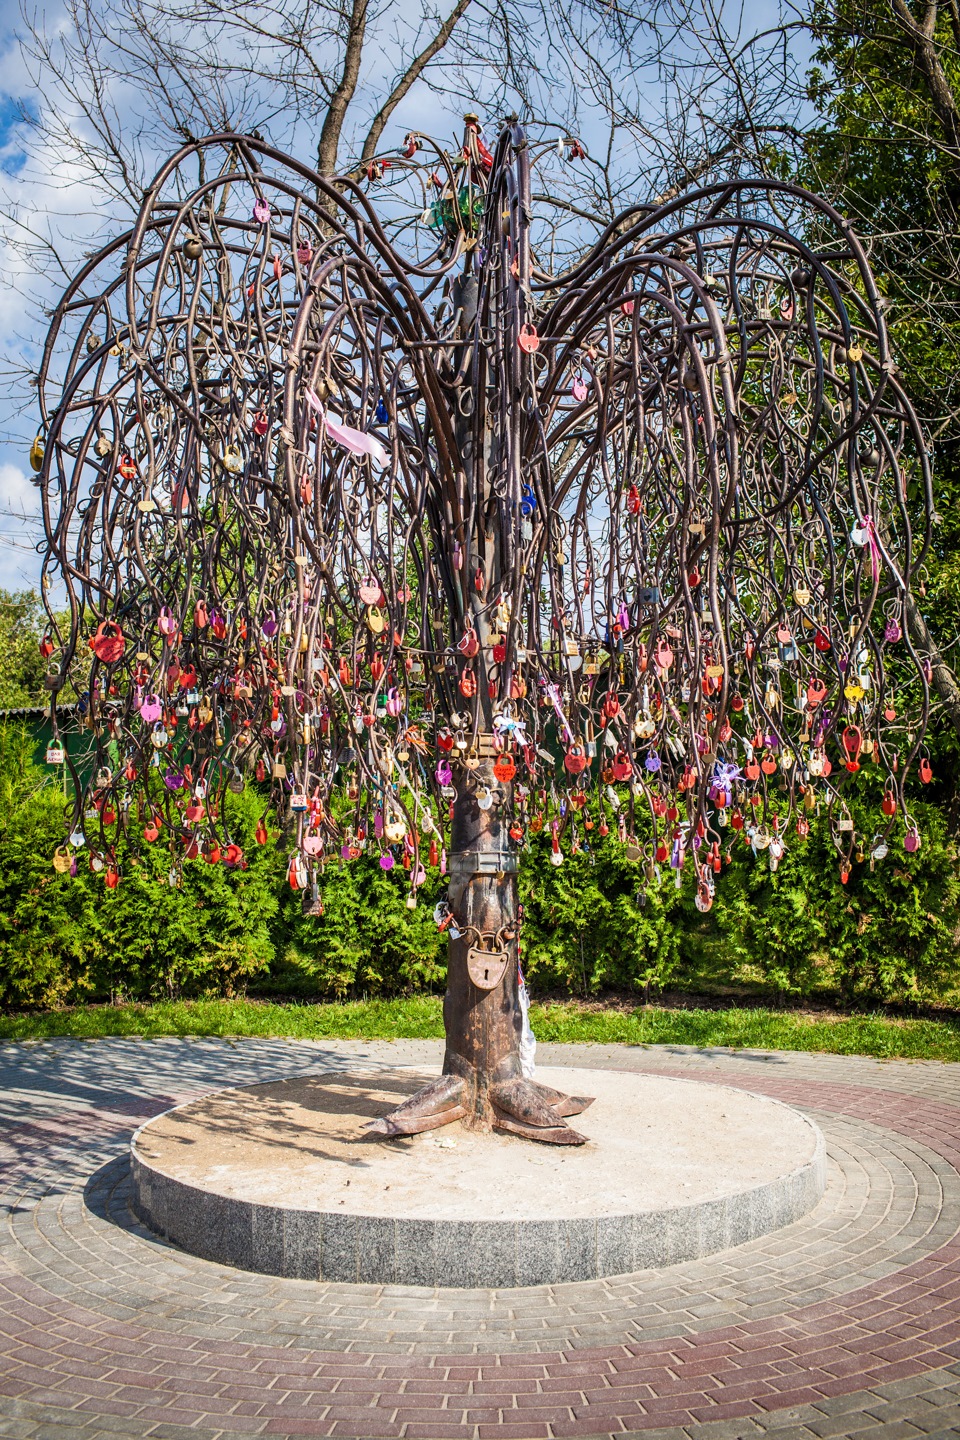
[443, 533]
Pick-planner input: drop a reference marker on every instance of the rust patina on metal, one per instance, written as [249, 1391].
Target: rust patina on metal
[447, 526]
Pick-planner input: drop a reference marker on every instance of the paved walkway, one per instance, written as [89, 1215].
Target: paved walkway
[845, 1322]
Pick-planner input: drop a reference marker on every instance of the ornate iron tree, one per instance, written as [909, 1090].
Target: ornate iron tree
[446, 546]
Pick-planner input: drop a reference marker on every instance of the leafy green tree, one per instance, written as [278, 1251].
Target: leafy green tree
[886, 150]
[21, 663]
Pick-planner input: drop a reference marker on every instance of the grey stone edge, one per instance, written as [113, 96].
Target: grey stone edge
[499, 1254]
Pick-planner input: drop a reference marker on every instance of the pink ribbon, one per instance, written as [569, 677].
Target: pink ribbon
[871, 530]
[358, 442]
[553, 695]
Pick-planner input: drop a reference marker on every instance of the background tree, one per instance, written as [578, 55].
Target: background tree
[22, 625]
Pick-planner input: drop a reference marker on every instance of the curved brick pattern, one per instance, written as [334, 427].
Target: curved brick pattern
[885, 1205]
[847, 1320]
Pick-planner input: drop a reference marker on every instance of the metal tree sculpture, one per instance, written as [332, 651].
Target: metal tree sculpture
[448, 549]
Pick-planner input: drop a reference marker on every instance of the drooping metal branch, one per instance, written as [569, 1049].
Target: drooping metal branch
[395, 522]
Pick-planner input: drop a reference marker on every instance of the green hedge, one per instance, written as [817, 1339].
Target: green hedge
[889, 935]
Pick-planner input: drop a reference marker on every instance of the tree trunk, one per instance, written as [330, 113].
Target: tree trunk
[482, 1026]
[483, 1082]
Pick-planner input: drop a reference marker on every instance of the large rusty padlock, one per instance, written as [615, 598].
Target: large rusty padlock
[486, 967]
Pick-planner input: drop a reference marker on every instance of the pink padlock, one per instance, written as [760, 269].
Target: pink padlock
[150, 708]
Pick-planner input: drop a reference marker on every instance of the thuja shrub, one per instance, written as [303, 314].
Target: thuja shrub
[889, 934]
[366, 942]
[594, 923]
[65, 938]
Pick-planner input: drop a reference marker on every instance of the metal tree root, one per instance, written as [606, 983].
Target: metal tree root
[520, 1107]
[438, 1103]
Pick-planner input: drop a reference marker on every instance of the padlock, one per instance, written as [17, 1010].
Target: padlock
[486, 967]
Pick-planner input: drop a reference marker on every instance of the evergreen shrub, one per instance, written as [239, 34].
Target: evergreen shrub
[593, 924]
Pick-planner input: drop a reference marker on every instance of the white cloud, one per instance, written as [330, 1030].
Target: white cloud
[16, 491]
[20, 529]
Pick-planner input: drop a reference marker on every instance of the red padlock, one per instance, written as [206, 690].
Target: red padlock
[108, 643]
[575, 761]
[505, 767]
[852, 741]
[622, 766]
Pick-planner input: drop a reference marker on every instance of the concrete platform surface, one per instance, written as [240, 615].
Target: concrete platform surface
[655, 1142]
[280, 1178]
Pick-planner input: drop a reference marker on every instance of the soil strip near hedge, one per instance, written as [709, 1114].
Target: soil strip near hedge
[419, 1017]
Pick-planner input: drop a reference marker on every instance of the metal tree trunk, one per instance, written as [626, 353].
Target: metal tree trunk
[483, 1027]
[483, 1084]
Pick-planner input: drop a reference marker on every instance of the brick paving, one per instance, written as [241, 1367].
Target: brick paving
[843, 1323]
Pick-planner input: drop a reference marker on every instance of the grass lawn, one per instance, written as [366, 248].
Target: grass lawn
[419, 1017]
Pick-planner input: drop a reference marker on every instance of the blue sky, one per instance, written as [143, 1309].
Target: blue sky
[67, 204]
[19, 563]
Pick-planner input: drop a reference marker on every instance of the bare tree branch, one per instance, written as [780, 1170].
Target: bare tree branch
[332, 130]
[413, 72]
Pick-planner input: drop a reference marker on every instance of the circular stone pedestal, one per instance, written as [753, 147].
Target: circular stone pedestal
[280, 1178]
